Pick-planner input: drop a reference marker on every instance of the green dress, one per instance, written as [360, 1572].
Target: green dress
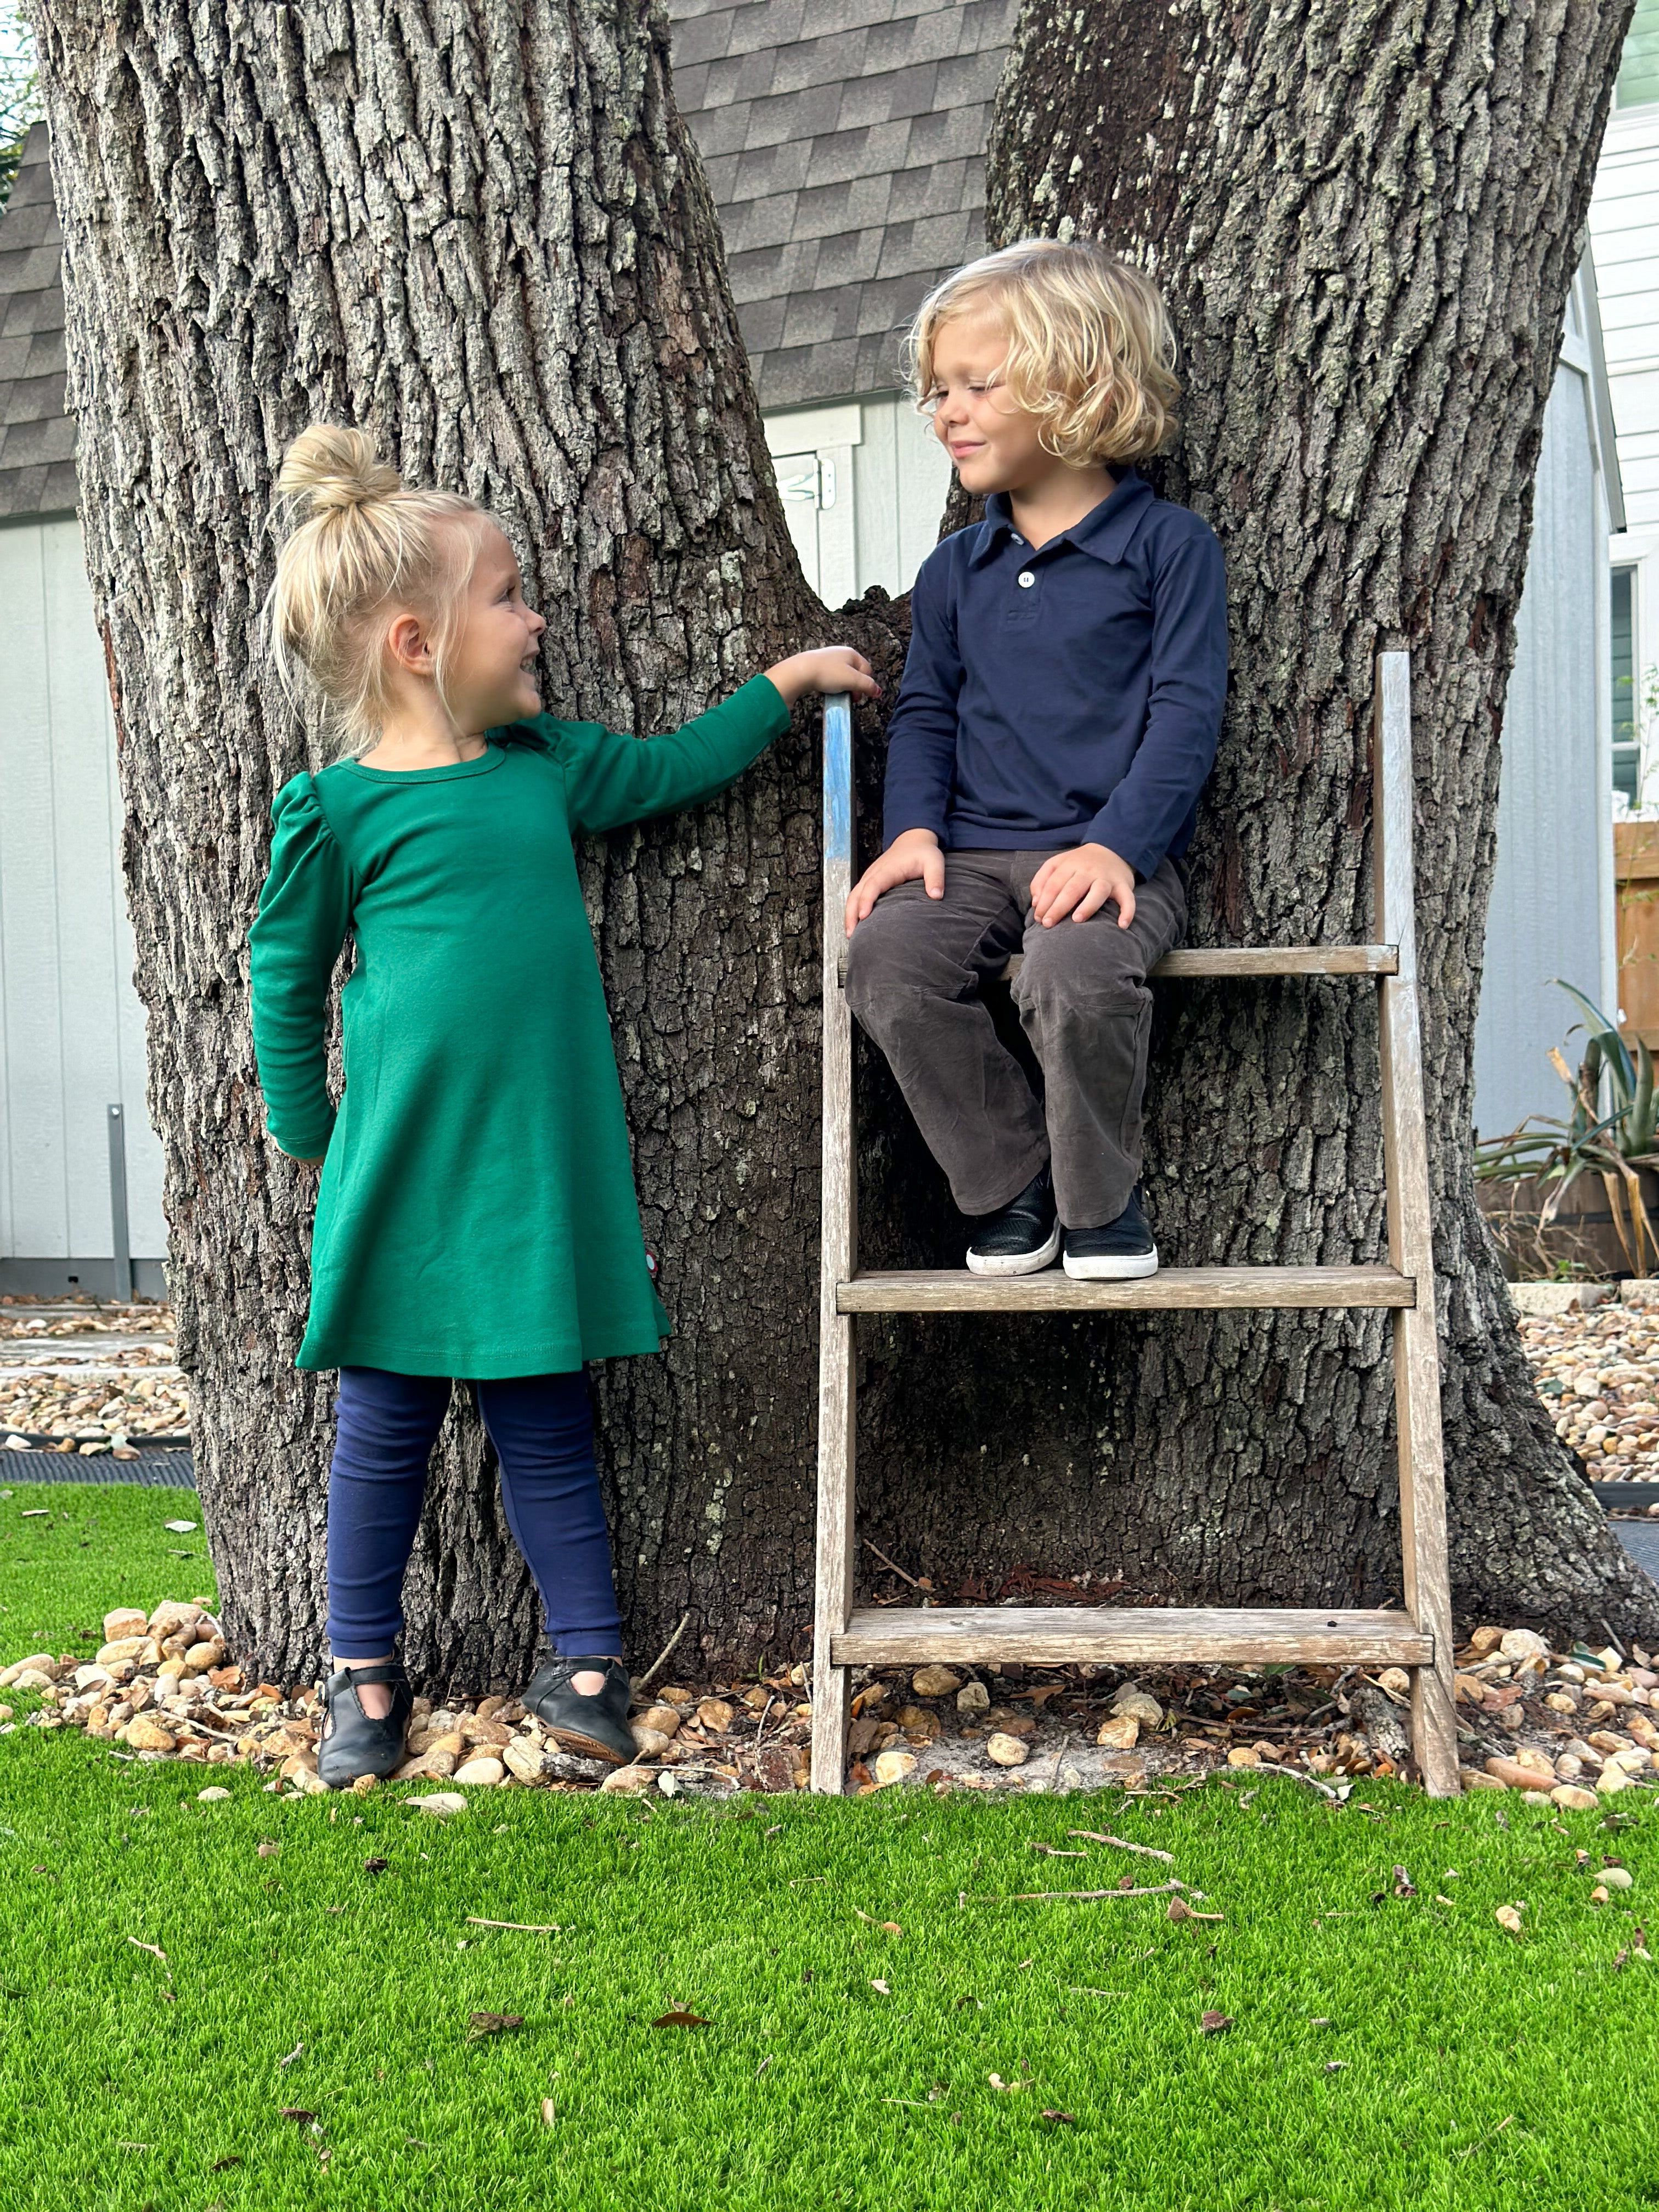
[477, 1213]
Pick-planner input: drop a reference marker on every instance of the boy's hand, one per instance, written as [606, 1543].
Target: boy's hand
[831, 668]
[1080, 883]
[916, 852]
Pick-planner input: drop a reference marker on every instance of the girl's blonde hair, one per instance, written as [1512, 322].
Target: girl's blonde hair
[1090, 350]
[361, 541]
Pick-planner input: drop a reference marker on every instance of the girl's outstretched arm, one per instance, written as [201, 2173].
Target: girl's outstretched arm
[305, 911]
[611, 779]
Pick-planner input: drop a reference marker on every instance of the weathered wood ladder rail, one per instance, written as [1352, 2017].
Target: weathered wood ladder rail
[1419, 1639]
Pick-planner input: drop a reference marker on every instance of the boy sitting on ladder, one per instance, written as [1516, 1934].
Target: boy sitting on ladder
[1061, 701]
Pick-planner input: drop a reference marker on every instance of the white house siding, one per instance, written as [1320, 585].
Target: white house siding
[1551, 901]
[1625, 232]
[864, 484]
[71, 1029]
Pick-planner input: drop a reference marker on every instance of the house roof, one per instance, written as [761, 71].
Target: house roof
[845, 144]
[37, 439]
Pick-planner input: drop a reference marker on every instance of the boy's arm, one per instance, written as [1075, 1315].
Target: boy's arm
[305, 911]
[1183, 720]
[921, 734]
[611, 779]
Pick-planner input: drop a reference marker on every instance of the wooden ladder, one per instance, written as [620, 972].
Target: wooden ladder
[1419, 1638]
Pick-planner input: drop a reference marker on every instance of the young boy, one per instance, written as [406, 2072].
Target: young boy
[1058, 714]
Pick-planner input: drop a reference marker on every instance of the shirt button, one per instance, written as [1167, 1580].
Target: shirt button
[1026, 579]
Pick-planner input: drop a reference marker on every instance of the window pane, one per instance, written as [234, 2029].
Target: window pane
[1638, 69]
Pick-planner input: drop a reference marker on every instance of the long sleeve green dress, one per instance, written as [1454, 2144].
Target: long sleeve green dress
[476, 1214]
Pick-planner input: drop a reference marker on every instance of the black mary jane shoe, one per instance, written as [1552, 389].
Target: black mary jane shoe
[588, 1728]
[352, 1744]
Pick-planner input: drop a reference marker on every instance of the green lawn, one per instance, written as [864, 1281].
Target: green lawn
[1406, 2052]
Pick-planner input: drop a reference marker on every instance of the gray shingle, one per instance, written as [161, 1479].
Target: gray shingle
[23, 444]
[31, 224]
[33, 398]
[37, 440]
[864, 122]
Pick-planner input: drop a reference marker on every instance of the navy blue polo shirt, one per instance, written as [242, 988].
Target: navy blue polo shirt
[1067, 697]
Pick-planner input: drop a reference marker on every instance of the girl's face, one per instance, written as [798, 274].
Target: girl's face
[491, 676]
[992, 441]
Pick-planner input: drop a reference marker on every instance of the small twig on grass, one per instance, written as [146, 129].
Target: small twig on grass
[1056, 1896]
[1324, 1789]
[519, 1927]
[661, 1658]
[886, 1562]
[1497, 2130]
[1146, 1850]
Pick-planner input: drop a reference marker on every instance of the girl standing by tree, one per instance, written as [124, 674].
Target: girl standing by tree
[477, 1215]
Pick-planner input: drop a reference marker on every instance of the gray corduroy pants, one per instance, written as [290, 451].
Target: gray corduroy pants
[916, 968]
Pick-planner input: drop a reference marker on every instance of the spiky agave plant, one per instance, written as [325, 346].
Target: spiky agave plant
[1608, 1131]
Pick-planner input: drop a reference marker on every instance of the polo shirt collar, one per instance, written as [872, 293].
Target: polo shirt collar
[1104, 532]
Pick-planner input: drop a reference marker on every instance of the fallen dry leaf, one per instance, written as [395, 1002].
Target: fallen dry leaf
[375, 1866]
[881, 1989]
[493, 2023]
[1064, 2119]
[997, 2083]
[680, 2020]
[1214, 2023]
[267, 1850]
[224, 2165]
[1510, 1918]
[1403, 1886]
[297, 2113]
[549, 2114]
[887, 1927]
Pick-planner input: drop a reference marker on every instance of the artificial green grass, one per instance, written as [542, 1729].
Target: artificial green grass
[71, 1551]
[1460, 2067]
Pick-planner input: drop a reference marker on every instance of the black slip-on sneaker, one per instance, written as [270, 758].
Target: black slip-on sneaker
[1024, 1238]
[1117, 1253]
[588, 1728]
[352, 1744]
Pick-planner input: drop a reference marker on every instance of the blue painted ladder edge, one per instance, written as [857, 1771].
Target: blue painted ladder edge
[838, 778]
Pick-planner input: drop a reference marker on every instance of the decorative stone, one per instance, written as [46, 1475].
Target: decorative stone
[714, 1715]
[1523, 1644]
[934, 1683]
[1571, 1798]
[626, 1781]
[893, 1766]
[143, 1649]
[1618, 1877]
[442, 1805]
[918, 1723]
[1485, 1640]
[213, 1795]
[125, 1620]
[1397, 1679]
[1134, 1703]
[301, 1763]
[172, 1615]
[1002, 1750]
[649, 1742]
[483, 1770]
[1612, 1779]
[523, 1761]
[146, 1734]
[973, 1698]
[664, 1720]
[1539, 1761]
[1122, 1734]
[1469, 1690]
[32, 1678]
[1244, 1754]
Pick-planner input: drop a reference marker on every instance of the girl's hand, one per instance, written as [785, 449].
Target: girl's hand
[831, 668]
[1080, 882]
[914, 853]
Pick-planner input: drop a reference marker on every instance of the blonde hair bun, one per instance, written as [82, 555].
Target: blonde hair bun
[328, 467]
[359, 543]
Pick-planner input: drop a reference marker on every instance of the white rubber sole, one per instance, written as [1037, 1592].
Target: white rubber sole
[1107, 1270]
[1025, 1263]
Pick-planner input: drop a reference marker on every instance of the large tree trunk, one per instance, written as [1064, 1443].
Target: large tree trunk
[1366, 220]
[498, 251]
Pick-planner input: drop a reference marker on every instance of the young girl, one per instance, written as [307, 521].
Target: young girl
[476, 1214]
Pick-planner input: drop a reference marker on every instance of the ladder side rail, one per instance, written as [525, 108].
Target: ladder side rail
[1411, 1248]
[837, 1434]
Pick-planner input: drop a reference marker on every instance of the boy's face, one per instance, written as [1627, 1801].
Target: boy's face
[992, 441]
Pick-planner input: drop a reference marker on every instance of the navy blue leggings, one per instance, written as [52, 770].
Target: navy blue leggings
[542, 1427]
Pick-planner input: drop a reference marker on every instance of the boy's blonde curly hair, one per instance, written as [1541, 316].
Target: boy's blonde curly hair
[1090, 350]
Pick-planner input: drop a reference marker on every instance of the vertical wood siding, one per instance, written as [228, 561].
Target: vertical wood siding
[71, 1029]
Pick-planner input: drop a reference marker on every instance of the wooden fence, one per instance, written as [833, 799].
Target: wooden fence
[1636, 868]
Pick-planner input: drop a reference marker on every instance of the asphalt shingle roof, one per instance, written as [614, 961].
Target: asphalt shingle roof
[845, 145]
[37, 439]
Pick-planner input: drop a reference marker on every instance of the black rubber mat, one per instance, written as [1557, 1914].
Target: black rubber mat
[158, 1466]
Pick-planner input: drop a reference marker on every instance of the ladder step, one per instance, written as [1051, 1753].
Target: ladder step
[955, 1290]
[1250, 960]
[1162, 1636]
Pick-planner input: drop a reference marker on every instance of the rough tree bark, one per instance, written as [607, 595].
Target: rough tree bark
[484, 234]
[481, 232]
[1366, 218]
